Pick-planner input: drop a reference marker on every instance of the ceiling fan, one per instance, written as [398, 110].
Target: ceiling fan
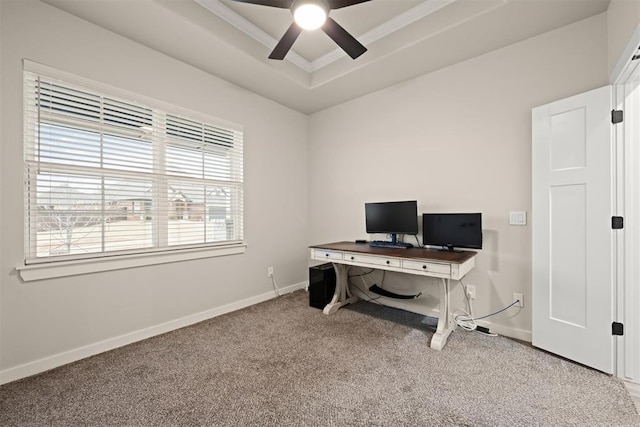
[311, 15]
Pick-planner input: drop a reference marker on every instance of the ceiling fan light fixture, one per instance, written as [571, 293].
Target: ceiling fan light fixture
[310, 15]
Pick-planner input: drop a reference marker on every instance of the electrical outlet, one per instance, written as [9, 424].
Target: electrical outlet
[270, 272]
[519, 298]
[471, 291]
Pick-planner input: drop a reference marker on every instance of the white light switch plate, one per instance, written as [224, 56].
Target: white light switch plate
[518, 218]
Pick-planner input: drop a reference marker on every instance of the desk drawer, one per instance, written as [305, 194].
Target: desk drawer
[429, 267]
[320, 254]
[372, 260]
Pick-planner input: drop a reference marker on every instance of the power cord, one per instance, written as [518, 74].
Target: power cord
[364, 282]
[417, 240]
[467, 321]
[369, 297]
[499, 311]
[275, 286]
[349, 276]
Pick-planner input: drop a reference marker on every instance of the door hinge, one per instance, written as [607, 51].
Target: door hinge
[634, 57]
[617, 222]
[617, 116]
[617, 328]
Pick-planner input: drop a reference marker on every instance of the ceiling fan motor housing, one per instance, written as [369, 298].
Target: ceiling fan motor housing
[320, 3]
[310, 14]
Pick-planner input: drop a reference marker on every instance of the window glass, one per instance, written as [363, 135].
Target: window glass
[106, 175]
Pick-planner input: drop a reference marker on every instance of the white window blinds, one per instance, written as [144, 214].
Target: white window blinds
[108, 175]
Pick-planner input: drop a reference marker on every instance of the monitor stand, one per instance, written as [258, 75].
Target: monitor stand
[449, 248]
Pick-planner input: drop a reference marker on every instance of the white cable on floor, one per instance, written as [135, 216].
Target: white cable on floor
[275, 287]
[466, 320]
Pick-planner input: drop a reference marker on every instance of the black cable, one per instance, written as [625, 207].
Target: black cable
[499, 311]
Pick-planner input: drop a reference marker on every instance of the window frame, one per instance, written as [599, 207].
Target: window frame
[34, 268]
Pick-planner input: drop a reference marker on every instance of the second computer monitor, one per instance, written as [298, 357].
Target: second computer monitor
[452, 230]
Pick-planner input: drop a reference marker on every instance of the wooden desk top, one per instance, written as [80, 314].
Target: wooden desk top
[410, 253]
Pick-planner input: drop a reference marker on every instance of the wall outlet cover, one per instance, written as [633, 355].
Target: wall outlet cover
[518, 218]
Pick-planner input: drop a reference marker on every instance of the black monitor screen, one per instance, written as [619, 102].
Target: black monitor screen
[392, 217]
[452, 230]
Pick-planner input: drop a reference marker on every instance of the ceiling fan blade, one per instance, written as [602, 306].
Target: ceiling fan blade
[285, 43]
[284, 4]
[337, 4]
[346, 41]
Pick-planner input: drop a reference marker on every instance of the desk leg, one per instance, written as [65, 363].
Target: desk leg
[342, 295]
[445, 322]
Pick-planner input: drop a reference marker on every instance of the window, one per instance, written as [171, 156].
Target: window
[108, 174]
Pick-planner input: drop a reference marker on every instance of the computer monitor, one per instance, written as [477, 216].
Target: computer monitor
[392, 218]
[452, 230]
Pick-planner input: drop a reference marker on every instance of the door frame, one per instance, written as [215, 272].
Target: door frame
[626, 89]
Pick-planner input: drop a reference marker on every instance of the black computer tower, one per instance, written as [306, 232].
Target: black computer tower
[322, 285]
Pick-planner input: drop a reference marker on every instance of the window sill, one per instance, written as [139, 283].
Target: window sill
[53, 270]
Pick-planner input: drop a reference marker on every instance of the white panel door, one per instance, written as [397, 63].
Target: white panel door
[573, 284]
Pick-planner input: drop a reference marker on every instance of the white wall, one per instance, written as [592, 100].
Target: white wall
[458, 139]
[47, 319]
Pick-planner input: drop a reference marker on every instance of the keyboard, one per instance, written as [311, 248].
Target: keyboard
[385, 244]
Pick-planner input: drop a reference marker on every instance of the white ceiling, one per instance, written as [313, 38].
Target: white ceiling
[405, 39]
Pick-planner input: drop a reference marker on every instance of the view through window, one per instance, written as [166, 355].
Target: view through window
[106, 175]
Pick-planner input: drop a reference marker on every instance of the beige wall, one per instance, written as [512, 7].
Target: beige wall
[458, 139]
[48, 318]
[623, 18]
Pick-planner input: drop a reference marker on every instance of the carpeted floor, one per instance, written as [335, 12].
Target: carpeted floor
[282, 363]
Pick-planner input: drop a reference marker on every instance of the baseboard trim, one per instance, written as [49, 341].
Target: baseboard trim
[519, 334]
[47, 363]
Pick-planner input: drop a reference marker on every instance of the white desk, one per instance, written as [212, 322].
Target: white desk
[417, 261]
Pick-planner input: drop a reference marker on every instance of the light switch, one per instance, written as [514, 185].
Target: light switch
[518, 218]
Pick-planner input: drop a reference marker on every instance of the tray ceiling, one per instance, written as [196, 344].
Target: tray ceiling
[405, 39]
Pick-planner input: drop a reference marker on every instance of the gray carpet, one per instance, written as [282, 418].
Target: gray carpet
[282, 363]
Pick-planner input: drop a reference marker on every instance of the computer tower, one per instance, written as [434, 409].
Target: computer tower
[322, 285]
